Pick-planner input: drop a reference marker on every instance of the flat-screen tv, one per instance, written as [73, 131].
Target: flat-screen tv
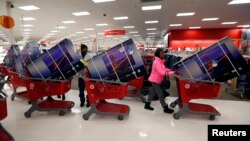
[57, 63]
[30, 52]
[219, 62]
[10, 58]
[120, 63]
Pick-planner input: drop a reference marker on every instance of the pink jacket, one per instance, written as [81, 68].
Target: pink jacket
[159, 71]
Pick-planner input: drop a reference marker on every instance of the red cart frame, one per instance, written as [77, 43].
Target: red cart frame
[137, 83]
[98, 91]
[189, 89]
[39, 88]
[4, 134]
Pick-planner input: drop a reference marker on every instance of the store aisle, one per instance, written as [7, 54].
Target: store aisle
[140, 125]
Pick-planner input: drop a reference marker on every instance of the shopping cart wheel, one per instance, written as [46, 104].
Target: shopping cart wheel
[173, 104]
[12, 97]
[27, 115]
[85, 117]
[61, 113]
[120, 117]
[211, 117]
[176, 116]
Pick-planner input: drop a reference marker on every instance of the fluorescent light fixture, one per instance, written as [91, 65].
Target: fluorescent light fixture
[151, 22]
[129, 27]
[27, 25]
[151, 29]
[54, 31]
[84, 13]
[137, 35]
[27, 30]
[50, 34]
[25, 33]
[151, 33]
[85, 37]
[173, 25]
[79, 32]
[229, 23]
[154, 7]
[100, 1]
[120, 18]
[210, 19]
[29, 7]
[61, 27]
[239, 2]
[133, 32]
[244, 26]
[102, 24]
[28, 19]
[194, 27]
[68, 22]
[88, 29]
[2, 34]
[185, 14]
[100, 33]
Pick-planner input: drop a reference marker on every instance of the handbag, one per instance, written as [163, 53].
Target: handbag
[165, 84]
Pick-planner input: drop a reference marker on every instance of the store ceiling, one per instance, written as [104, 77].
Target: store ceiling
[53, 12]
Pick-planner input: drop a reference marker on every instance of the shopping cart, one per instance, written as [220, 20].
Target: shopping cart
[36, 89]
[98, 91]
[136, 87]
[189, 89]
[4, 76]
[4, 134]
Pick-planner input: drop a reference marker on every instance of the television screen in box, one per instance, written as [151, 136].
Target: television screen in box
[55, 62]
[12, 53]
[219, 62]
[120, 63]
[30, 52]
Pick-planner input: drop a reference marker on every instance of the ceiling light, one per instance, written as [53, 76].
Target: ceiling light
[68, 22]
[100, 1]
[50, 34]
[84, 13]
[61, 27]
[2, 34]
[175, 25]
[54, 31]
[137, 35]
[244, 26]
[102, 24]
[79, 32]
[26, 33]
[154, 7]
[27, 25]
[229, 23]
[209, 19]
[129, 27]
[28, 19]
[27, 30]
[85, 37]
[239, 2]
[100, 33]
[133, 32]
[151, 22]
[120, 18]
[185, 14]
[194, 27]
[151, 29]
[29, 7]
[151, 33]
[88, 28]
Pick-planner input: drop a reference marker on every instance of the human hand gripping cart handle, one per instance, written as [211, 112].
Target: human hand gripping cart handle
[189, 89]
[100, 90]
[4, 134]
[36, 89]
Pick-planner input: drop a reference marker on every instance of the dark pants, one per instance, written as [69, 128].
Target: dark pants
[157, 90]
[81, 86]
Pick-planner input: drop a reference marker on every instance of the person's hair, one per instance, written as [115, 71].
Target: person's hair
[157, 52]
[83, 46]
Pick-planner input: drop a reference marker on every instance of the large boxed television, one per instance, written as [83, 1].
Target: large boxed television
[57, 63]
[219, 62]
[120, 63]
[10, 58]
[30, 52]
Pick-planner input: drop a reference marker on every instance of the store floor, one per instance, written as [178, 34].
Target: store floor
[140, 125]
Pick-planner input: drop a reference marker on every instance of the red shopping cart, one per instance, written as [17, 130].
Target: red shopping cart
[189, 89]
[136, 87]
[4, 76]
[36, 89]
[4, 134]
[98, 91]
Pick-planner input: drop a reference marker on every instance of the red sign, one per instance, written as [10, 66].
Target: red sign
[114, 32]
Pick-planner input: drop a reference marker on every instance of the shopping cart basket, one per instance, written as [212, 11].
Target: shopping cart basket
[4, 76]
[189, 89]
[98, 91]
[4, 134]
[137, 85]
[39, 88]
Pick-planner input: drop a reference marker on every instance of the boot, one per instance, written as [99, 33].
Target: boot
[147, 106]
[81, 104]
[167, 110]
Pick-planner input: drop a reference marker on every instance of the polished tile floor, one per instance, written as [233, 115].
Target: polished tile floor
[140, 125]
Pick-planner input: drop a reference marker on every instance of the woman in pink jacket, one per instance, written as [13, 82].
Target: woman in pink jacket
[156, 77]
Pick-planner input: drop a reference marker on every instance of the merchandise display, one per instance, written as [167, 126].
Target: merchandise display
[122, 62]
[219, 62]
